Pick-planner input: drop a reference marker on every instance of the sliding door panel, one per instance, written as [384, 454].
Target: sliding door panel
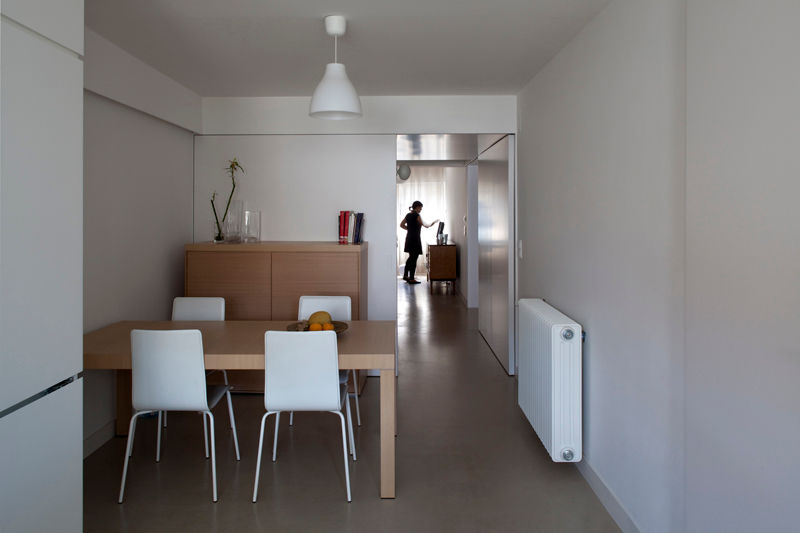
[41, 214]
[495, 243]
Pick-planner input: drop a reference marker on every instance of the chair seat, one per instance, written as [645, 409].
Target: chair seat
[214, 393]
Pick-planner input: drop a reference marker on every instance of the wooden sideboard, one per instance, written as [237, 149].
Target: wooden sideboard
[441, 263]
[264, 281]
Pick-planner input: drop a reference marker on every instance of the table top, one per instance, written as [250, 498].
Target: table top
[239, 344]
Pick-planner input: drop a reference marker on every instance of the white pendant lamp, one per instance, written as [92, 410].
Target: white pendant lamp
[335, 98]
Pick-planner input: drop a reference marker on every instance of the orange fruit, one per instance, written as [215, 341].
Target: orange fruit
[315, 327]
[327, 326]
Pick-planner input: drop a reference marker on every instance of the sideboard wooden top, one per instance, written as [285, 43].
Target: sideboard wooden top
[277, 246]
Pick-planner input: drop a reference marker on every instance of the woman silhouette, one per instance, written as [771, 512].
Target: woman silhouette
[413, 224]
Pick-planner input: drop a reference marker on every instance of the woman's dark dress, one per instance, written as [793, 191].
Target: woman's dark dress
[413, 246]
[413, 228]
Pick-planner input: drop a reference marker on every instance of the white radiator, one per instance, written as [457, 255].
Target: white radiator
[550, 378]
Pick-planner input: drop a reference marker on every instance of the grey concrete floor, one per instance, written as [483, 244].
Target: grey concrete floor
[467, 459]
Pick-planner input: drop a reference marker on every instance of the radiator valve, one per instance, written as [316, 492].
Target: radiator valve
[567, 454]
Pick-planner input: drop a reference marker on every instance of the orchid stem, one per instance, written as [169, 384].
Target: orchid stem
[228, 205]
[216, 219]
[233, 166]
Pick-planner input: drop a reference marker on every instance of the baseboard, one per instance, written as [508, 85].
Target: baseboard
[98, 438]
[461, 294]
[607, 498]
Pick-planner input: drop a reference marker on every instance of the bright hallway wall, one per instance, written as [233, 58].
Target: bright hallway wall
[601, 216]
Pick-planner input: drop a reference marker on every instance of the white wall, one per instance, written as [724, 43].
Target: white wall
[300, 183]
[743, 266]
[60, 21]
[601, 216]
[137, 217]
[116, 74]
[382, 114]
[456, 190]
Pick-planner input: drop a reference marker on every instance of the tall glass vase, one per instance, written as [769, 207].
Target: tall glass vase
[232, 227]
[252, 226]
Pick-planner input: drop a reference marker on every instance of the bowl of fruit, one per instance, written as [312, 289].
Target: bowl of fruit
[319, 321]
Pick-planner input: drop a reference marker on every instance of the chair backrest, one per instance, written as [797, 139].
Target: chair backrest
[301, 371]
[191, 308]
[338, 307]
[168, 370]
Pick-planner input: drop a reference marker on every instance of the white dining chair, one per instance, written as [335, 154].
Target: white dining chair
[168, 374]
[199, 308]
[340, 308]
[301, 373]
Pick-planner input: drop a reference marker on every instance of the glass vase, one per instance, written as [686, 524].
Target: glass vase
[232, 227]
[252, 226]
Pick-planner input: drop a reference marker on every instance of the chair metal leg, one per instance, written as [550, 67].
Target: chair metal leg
[275, 443]
[158, 438]
[344, 450]
[233, 426]
[258, 460]
[130, 435]
[355, 397]
[291, 418]
[128, 451]
[205, 434]
[213, 456]
[350, 425]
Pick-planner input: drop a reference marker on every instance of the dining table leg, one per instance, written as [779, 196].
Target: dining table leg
[388, 426]
[124, 407]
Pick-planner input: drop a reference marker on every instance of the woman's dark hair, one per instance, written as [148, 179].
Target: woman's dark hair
[415, 205]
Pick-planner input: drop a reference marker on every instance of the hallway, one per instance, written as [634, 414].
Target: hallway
[487, 469]
[467, 459]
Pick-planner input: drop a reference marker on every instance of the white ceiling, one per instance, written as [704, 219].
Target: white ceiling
[392, 47]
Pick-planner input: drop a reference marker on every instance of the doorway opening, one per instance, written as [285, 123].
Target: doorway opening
[467, 183]
[432, 170]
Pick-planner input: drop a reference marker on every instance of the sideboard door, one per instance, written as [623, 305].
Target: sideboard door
[243, 279]
[313, 273]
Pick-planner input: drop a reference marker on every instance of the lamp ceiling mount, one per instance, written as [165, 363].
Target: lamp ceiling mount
[335, 25]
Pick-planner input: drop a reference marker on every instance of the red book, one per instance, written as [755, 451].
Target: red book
[345, 227]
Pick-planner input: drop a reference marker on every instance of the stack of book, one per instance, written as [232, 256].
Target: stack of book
[351, 226]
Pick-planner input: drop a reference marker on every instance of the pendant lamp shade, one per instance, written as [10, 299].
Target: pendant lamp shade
[335, 98]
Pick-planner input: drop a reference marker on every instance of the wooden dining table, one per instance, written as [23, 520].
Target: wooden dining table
[239, 345]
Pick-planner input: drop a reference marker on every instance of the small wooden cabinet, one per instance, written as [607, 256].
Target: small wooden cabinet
[264, 281]
[441, 263]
